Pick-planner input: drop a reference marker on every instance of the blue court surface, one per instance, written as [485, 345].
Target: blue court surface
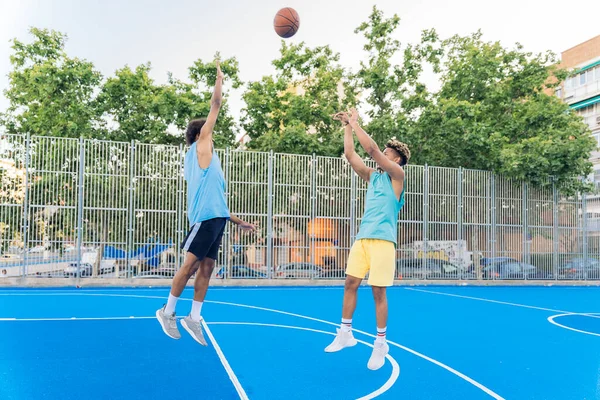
[267, 343]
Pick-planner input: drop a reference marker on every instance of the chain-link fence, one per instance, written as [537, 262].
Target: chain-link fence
[89, 208]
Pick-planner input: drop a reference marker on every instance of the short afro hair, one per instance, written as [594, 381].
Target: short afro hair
[401, 148]
[193, 130]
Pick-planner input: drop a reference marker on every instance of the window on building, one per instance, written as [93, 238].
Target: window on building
[558, 92]
[597, 137]
[582, 78]
[597, 69]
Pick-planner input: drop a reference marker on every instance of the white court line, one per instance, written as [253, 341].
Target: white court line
[438, 363]
[73, 319]
[552, 321]
[386, 386]
[489, 300]
[234, 379]
[90, 294]
[416, 353]
[6, 292]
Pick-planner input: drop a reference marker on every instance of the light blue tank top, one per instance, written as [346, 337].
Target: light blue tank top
[205, 188]
[380, 220]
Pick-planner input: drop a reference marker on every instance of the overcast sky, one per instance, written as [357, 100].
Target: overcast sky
[172, 34]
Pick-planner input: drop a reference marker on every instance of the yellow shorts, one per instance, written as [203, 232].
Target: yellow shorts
[374, 255]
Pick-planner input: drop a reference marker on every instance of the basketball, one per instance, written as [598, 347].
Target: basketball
[286, 22]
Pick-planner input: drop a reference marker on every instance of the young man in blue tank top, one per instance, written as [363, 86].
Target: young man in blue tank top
[207, 214]
[375, 248]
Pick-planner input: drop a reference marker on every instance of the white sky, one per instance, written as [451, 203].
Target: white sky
[171, 35]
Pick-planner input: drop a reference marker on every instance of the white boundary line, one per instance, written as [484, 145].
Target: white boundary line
[74, 319]
[386, 386]
[553, 322]
[6, 292]
[234, 379]
[487, 300]
[483, 388]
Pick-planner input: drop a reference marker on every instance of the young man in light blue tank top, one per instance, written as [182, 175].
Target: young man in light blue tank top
[207, 214]
[375, 248]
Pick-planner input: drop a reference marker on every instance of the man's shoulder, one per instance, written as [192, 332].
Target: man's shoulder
[399, 177]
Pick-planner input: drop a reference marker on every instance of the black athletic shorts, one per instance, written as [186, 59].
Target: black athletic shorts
[204, 238]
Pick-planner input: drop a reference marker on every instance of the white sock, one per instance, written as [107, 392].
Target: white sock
[196, 309]
[381, 333]
[346, 325]
[171, 303]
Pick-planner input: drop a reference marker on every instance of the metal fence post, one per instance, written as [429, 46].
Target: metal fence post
[313, 204]
[493, 215]
[459, 217]
[554, 228]
[425, 213]
[25, 234]
[270, 195]
[353, 201]
[179, 208]
[227, 235]
[131, 206]
[584, 228]
[525, 216]
[80, 185]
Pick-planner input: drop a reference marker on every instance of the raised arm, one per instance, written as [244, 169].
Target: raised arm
[205, 142]
[354, 159]
[393, 169]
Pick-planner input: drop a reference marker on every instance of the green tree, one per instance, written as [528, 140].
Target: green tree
[139, 109]
[50, 93]
[393, 91]
[290, 112]
[492, 113]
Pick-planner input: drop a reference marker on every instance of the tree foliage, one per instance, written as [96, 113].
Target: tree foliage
[139, 109]
[53, 94]
[50, 93]
[291, 111]
[492, 113]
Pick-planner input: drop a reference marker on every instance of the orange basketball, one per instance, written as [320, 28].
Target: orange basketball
[286, 22]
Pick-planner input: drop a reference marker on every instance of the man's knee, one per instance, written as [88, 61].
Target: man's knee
[379, 294]
[352, 283]
[207, 265]
[189, 268]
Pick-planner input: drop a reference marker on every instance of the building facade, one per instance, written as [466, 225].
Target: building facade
[582, 90]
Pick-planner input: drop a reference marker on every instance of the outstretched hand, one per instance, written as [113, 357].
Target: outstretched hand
[353, 115]
[245, 226]
[341, 116]
[220, 75]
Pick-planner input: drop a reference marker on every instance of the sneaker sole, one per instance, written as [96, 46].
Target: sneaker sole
[163, 327]
[375, 369]
[382, 364]
[187, 328]
[352, 344]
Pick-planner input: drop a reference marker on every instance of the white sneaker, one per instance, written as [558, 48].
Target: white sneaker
[342, 340]
[377, 359]
[194, 328]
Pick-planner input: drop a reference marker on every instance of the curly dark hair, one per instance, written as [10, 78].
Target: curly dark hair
[193, 130]
[401, 148]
